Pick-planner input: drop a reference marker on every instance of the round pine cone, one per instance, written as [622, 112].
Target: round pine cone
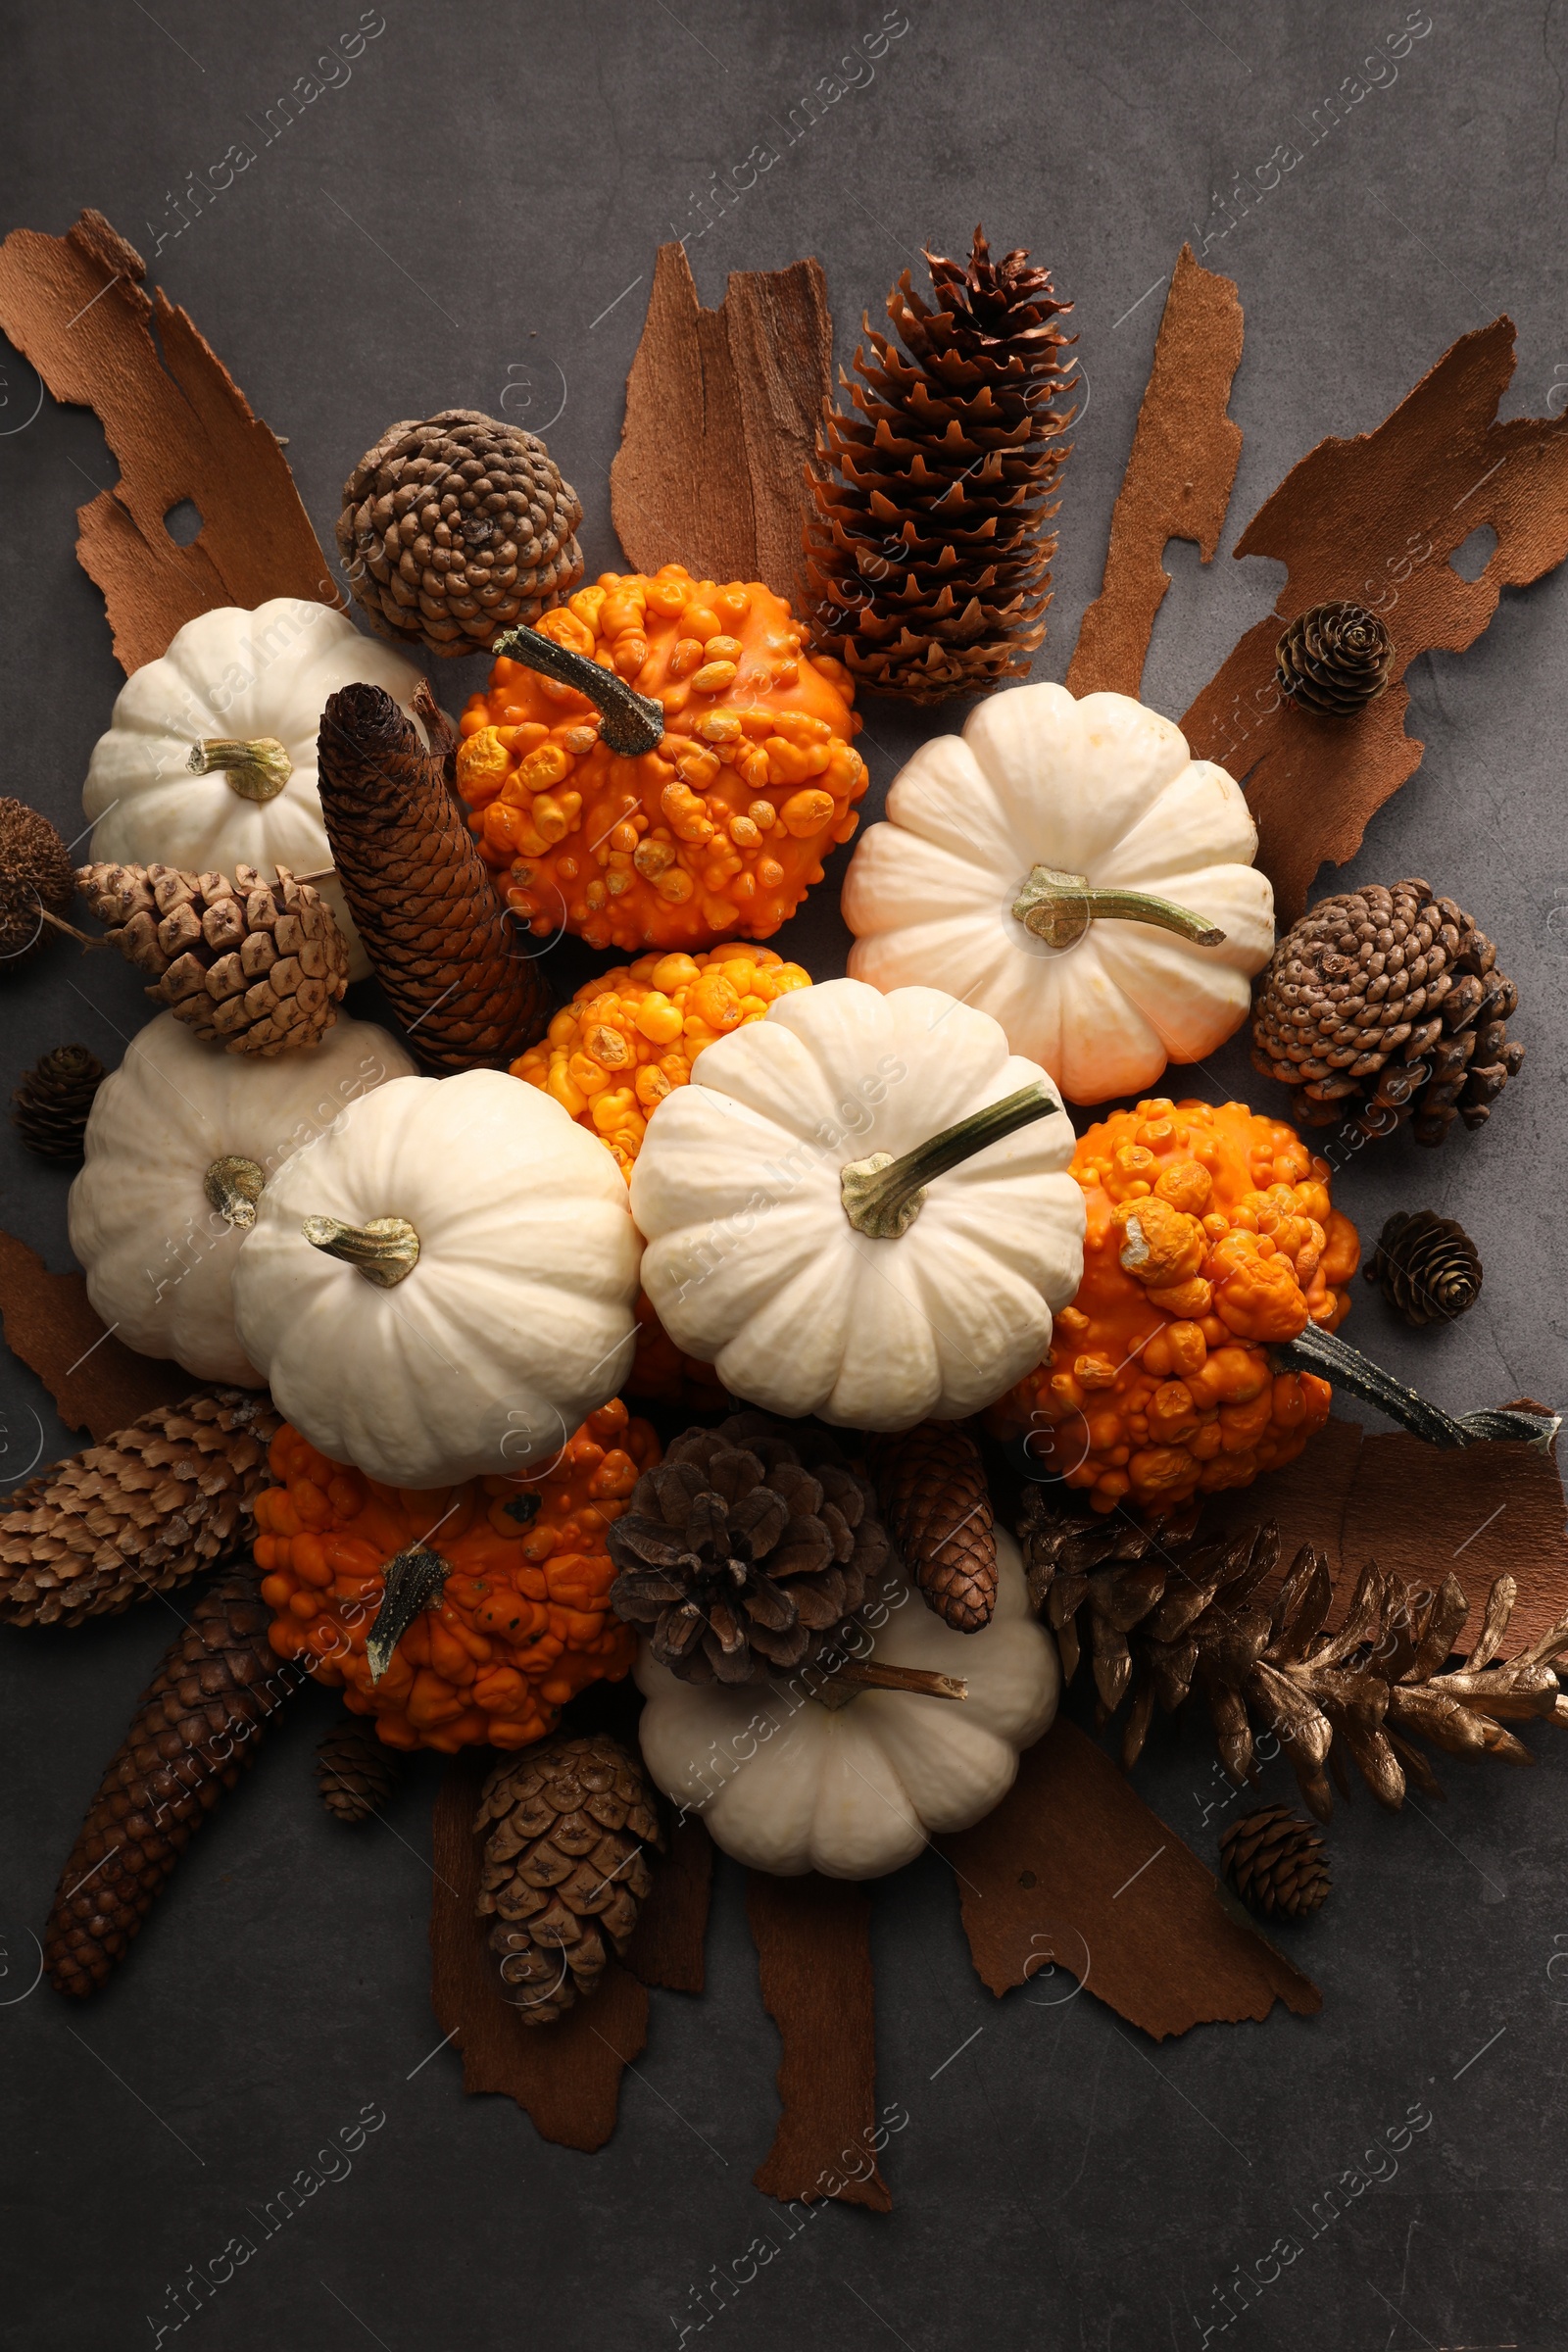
[1334, 659]
[1274, 1861]
[355, 1771]
[49, 1109]
[1426, 1267]
[36, 873]
[1382, 1005]
[746, 1548]
[457, 528]
[564, 1868]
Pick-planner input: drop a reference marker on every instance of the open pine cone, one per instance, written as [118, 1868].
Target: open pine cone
[746, 1548]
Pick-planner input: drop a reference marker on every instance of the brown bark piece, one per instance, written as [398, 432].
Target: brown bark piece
[1178, 479]
[1375, 520]
[813, 1955]
[1073, 1871]
[721, 409]
[178, 428]
[98, 1385]
[667, 1944]
[566, 2074]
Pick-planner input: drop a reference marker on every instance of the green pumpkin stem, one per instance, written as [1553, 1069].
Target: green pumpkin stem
[233, 1186]
[385, 1251]
[1058, 908]
[628, 721]
[257, 771]
[882, 1195]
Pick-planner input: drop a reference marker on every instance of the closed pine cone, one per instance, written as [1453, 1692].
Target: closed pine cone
[355, 1771]
[1382, 1006]
[1426, 1267]
[1274, 1861]
[565, 1868]
[197, 1726]
[931, 1485]
[49, 1109]
[36, 879]
[150, 1507]
[746, 1548]
[249, 965]
[457, 528]
[928, 562]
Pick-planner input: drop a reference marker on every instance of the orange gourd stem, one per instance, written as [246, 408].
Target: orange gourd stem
[628, 721]
[1348, 1368]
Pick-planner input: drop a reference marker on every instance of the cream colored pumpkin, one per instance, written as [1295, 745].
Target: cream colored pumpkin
[753, 1263]
[477, 1335]
[237, 678]
[787, 1785]
[145, 1222]
[1104, 794]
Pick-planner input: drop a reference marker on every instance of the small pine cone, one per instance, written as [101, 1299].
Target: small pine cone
[355, 1771]
[456, 530]
[564, 1868]
[1384, 1005]
[35, 877]
[1274, 1861]
[1427, 1266]
[249, 965]
[149, 1508]
[1334, 659]
[197, 1726]
[931, 1485]
[420, 892]
[49, 1109]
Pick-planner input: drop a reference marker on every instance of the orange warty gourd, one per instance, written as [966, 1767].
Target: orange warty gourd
[612, 1056]
[719, 831]
[1210, 1237]
[521, 1622]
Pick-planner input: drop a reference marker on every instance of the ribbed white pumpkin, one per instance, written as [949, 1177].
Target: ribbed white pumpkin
[1102, 789]
[159, 1256]
[786, 1784]
[233, 675]
[515, 1322]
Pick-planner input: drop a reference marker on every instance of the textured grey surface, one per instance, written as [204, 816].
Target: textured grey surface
[469, 218]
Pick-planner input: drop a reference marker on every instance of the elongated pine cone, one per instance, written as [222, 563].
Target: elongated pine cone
[928, 562]
[249, 965]
[1426, 1267]
[420, 892]
[746, 1548]
[565, 1868]
[49, 1109]
[196, 1727]
[355, 1771]
[936, 1504]
[1382, 1006]
[457, 528]
[36, 876]
[1334, 659]
[150, 1507]
[1274, 1861]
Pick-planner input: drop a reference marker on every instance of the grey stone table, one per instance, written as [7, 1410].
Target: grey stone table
[467, 215]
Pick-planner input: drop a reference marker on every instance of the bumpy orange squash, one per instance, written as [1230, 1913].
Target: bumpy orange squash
[522, 1621]
[1210, 1237]
[716, 832]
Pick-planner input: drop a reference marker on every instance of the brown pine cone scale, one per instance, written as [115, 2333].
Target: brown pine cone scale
[931, 1485]
[1274, 1861]
[355, 1771]
[49, 1109]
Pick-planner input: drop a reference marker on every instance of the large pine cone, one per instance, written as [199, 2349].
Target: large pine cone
[564, 1868]
[457, 528]
[1384, 1005]
[929, 562]
[746, 1548]
[49, 1109]
[35, 877]
[249, 965]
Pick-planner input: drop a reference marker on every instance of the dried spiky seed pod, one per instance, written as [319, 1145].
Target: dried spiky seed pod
[35, 881]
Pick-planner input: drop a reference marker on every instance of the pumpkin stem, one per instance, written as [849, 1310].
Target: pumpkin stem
[411, 1582]
[630, 722]
[882, 1195]
[870, 1673]
[257, 771]
[1058, 908]
[384, 1252]
[233, 1186]
[1333, 1358]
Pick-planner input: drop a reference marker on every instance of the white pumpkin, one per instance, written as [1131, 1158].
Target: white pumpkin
[747, 1180]
[157, 1216]
[1102, 796]
[787, 1785]
[489, 1316]
[234, 678]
